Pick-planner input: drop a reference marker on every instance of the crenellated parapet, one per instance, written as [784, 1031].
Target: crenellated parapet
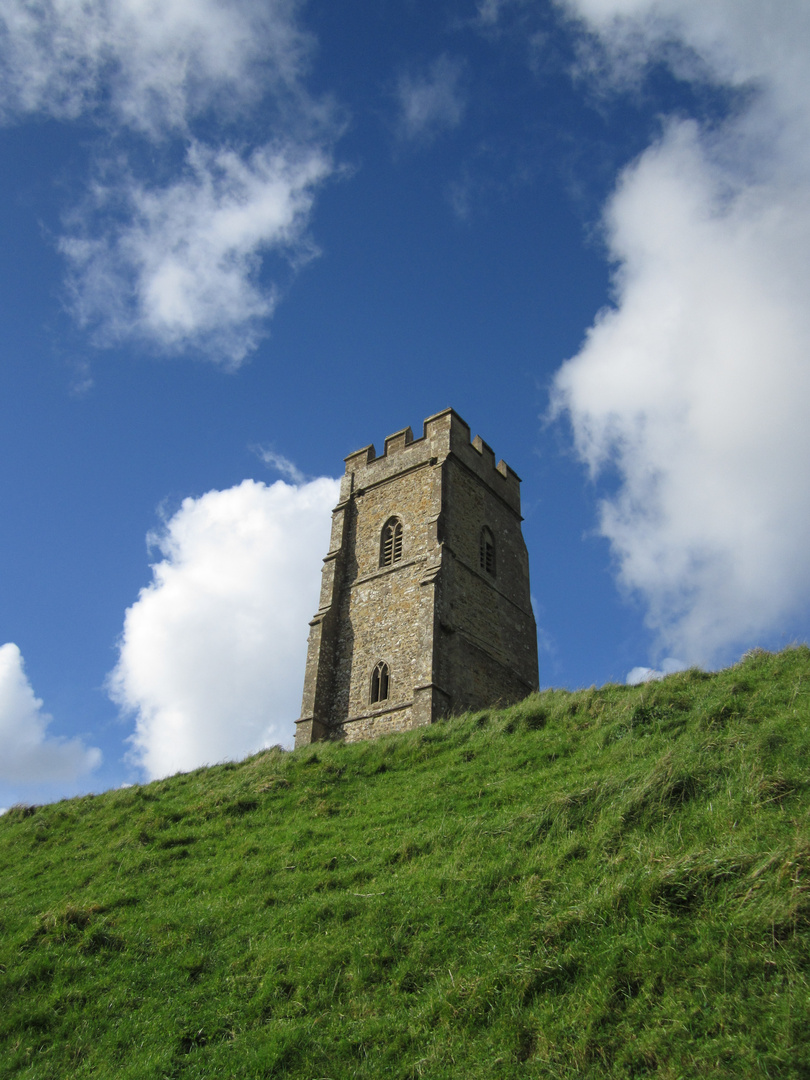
[443, 435]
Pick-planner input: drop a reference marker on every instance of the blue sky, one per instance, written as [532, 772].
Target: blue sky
[239, 240]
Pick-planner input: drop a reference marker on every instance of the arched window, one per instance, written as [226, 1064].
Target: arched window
[391, 542]
[379, 683]
[486, 551]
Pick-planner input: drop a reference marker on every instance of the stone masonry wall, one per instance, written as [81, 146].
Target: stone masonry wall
[453, 637]
[381, 616]
[384, 612]
[489, 651]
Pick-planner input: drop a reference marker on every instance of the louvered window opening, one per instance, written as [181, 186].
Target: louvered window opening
[379, 683]
[487, 552]
[392, 543]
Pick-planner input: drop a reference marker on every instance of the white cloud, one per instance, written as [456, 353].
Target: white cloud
[212, 653]
[431, 101]
[181, 268]
[694, 388]
[645, 674]
[281, 464]
[732, 42]
[176, 261]
[488, 12]
[152, 63]
[27, 754]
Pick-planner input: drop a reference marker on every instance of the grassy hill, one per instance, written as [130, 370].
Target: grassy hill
[607, 883]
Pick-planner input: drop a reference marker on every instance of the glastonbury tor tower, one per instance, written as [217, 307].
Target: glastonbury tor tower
[425, 608]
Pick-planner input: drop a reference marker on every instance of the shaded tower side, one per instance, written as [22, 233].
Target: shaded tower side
[487, 649]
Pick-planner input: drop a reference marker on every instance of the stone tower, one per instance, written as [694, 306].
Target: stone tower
[425, 608]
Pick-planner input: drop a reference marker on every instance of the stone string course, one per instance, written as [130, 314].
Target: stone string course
[454, 637]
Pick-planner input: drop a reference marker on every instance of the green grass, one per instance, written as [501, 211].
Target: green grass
[607, 883]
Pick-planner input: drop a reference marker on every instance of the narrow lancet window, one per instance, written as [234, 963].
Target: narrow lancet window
[487, 552]
[391, 542]
[379, 683]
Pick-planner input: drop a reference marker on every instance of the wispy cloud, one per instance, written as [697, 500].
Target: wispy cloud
[694, 386]
[212, 652]
[431, 101]
[151, 66]
[281, 464]
[28, 755]
[488, 11]
[180, 267]
[176, 259]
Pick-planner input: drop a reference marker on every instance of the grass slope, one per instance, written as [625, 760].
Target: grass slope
[607, 883]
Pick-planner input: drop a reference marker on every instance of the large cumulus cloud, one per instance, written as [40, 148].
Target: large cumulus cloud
[693, 388]
[212, 652]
